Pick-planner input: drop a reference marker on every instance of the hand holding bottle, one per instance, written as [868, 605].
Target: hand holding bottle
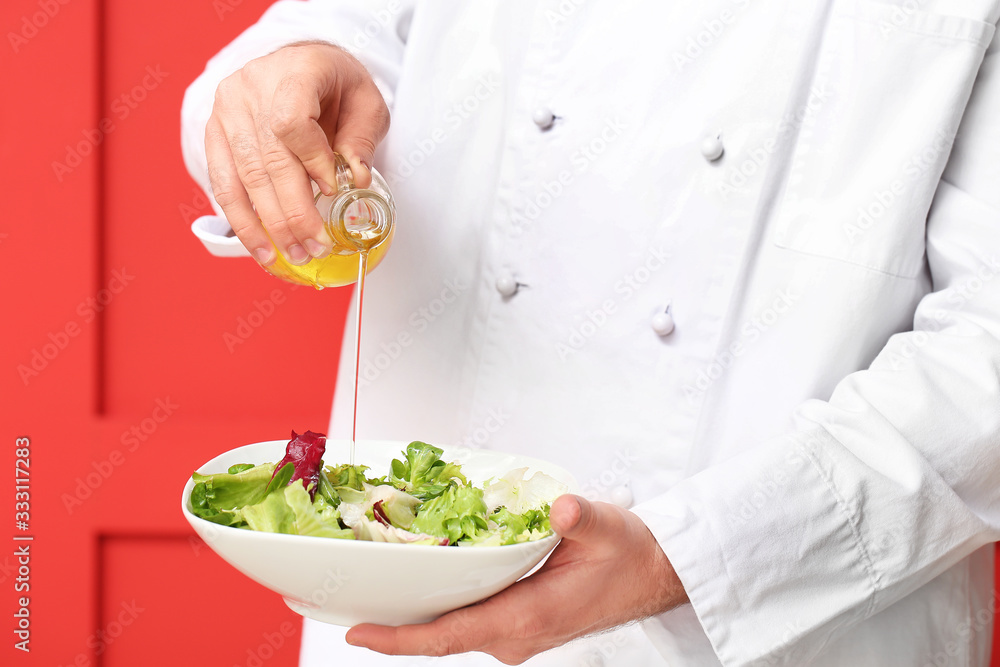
[275, 127]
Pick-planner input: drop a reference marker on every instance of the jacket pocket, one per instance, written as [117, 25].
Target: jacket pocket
[895, 81]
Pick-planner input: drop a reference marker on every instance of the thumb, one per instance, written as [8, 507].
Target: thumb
[574, 517]
[363, 123]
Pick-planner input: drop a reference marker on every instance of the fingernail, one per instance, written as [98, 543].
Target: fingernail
[264, 256]
[316, 249]
[324, 187]
[297, 254]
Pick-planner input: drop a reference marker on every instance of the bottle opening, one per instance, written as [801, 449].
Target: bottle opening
[360, 220]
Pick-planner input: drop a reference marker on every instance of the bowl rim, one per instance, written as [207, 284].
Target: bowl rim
[194, 519]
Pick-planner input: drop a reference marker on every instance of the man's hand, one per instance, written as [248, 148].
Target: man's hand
[271, 130]
[608, 570]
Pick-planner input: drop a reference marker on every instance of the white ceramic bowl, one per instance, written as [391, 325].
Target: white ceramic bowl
[346, 582]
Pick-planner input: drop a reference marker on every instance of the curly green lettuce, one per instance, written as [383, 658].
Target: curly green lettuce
[424, 499]
[423, 474]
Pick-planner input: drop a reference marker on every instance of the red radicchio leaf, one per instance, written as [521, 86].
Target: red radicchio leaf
[379, 513]
[305, 452]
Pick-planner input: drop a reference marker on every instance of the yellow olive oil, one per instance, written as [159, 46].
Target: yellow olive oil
[361, 225]
[337, 269]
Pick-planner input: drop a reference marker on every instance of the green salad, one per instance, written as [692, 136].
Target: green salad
[423, 499]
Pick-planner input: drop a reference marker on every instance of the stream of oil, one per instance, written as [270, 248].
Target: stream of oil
[362, 270]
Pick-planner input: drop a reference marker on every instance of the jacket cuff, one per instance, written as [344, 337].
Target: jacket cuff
[767, 553]
[217, 236]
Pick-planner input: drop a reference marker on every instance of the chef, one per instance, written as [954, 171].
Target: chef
[734, 264]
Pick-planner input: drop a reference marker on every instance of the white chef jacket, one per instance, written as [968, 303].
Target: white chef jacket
[811, 187]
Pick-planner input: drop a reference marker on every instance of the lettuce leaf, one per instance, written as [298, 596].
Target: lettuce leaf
[394, 507]
[373, 531]
[505, 528]
[290, 511]
[347, 482]
[305, 452]
[518, 494]
[226, 491]
[271, 515]
[537, 519]
[308, 520]
[201, 507]
[457, 513]
[423, 474]
[424, 500]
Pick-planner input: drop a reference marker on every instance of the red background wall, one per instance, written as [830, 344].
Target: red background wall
[91, 193]
[90, 190]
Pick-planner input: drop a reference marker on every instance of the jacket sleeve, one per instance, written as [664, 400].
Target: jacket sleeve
[888, 483]
[372, 30]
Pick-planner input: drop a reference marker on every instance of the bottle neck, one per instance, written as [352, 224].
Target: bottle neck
[357, 219]
[345, 177]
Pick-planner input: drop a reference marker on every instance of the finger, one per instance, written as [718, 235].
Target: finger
[245, 146]
[232, 196]
[295, 113]
[363, 123]
[294, 192]
[574, 517]
[469, 629]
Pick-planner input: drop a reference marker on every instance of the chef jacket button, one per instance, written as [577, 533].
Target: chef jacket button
[663, 323]
[622, 495]
[506, 285]
[712, 148]
[544, 118]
